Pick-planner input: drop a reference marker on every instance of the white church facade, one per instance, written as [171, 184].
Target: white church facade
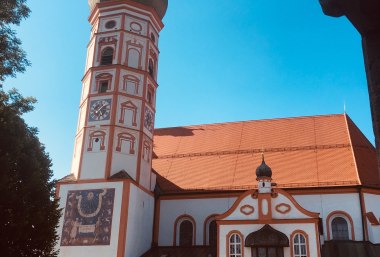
[293, 187]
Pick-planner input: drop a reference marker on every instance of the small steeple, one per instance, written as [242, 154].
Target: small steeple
[264, 177]
[263, 171]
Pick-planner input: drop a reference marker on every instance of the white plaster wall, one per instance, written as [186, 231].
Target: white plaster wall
[373, 233]
[85, 88]
[82, 116]
[77, 154]
[145, 171]
[326, 204]
[294, 213]
[238, 215]
[199, 209]
[93, 251]
[90, 54]
[140, 222]
[372, 204]
[287, 229]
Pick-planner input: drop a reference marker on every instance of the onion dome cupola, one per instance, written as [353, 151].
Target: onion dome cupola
[159, 5]
[263, 171]
[264, 177]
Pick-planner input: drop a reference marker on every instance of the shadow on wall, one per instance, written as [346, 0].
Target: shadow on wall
[175, 132]
[350, 249]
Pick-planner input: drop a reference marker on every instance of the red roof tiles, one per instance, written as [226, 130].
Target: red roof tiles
[302, 152]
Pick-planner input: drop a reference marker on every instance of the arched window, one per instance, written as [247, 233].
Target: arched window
[299, 245]
[96, 141]
[212, 233]
[151, 68]
[186, 233]
[339, 228]
[129, 146]
[131, 84]
[103, 82]
[134, 58]
[107, 56]
[235, 243]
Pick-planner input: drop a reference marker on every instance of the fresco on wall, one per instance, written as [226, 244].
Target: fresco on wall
[88, 217]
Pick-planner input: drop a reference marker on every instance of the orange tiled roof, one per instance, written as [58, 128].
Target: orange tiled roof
[302, 152]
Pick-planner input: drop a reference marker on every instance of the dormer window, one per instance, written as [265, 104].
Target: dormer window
[107, 56]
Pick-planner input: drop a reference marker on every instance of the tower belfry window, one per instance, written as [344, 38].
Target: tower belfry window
[103, 86]
[151, 68]
[107, 56]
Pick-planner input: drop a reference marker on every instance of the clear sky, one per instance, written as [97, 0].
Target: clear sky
[221, 60]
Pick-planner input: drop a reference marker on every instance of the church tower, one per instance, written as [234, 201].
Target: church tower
[108, 199]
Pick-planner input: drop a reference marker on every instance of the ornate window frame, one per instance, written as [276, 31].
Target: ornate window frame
[134, 46]
[236, 244]
[103, 77]
[126, 137]
[293, 244]
[103, 44]
[206, 228]
[100, 135]
[128, 105]
[177, 225]
[134, 80]
[146, 151]
[344, 215]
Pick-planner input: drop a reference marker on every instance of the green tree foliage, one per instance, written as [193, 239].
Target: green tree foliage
[29, 213]
[12, 56]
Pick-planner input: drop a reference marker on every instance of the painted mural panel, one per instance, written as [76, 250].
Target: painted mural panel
[88, 217]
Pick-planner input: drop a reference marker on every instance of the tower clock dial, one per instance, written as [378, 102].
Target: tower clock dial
[148, 120]
[100, 110]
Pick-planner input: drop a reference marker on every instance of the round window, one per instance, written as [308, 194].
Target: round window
[110, 24]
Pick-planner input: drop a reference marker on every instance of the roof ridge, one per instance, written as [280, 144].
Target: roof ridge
[352, 148]
[258, 120]
[255, 150]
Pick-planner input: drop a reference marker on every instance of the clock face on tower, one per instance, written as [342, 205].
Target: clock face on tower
[148, 120]
[100, 110]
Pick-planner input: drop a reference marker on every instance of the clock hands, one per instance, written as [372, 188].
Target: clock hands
[100, 108]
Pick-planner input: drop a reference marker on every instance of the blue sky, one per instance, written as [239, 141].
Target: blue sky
[221, 60]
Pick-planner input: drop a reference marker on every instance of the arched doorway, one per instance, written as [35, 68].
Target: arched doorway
[267, 242]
